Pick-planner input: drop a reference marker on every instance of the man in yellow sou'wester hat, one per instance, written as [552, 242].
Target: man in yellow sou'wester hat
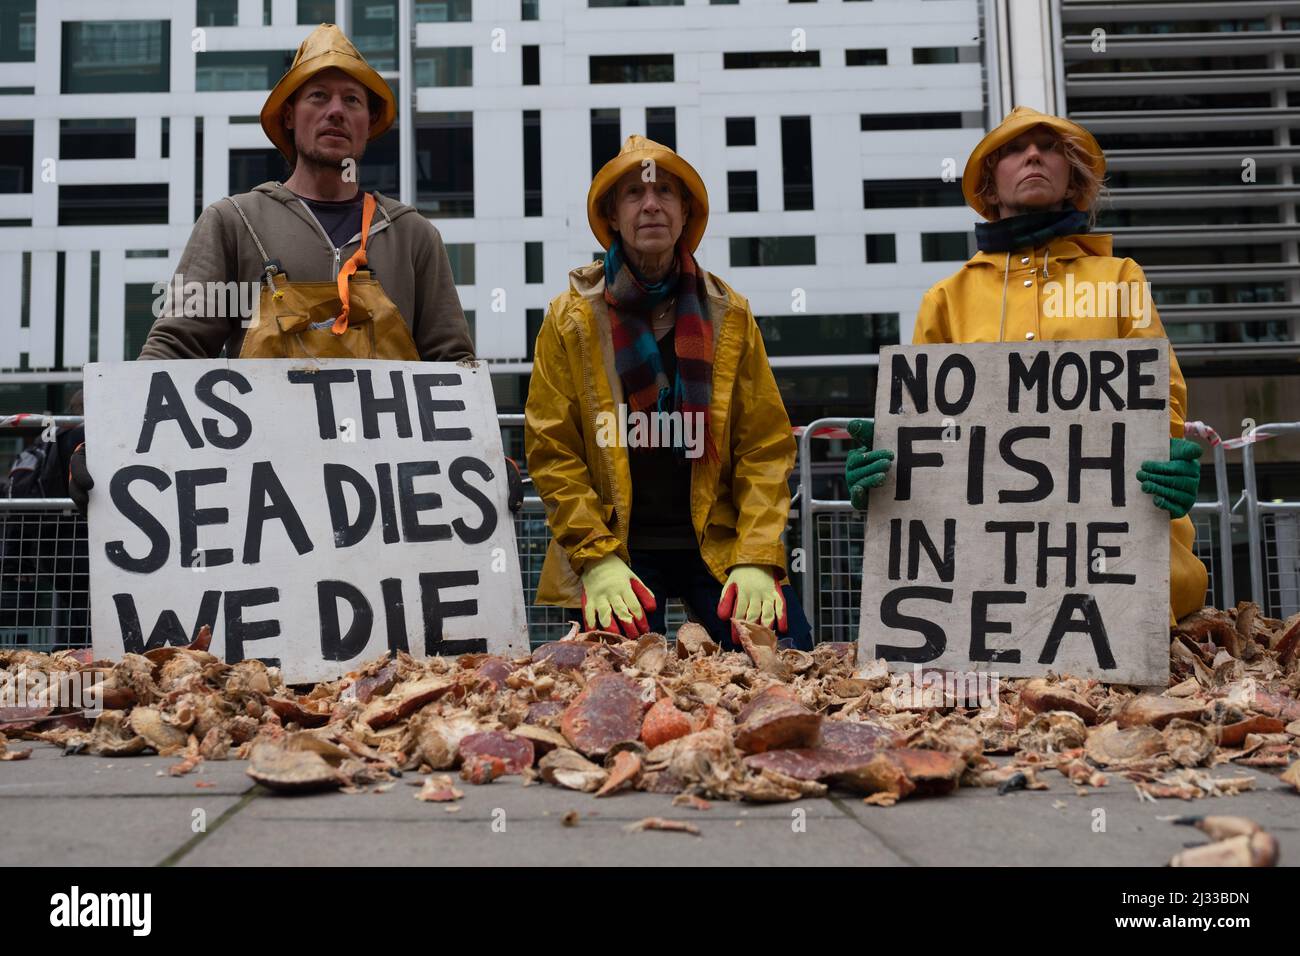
[1035, 179]
[654, 430]
[342, 273]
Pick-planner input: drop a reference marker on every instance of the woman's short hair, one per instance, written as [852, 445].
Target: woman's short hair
[1085, 188]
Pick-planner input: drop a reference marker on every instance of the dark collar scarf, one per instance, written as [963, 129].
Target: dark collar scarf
[1029, 230]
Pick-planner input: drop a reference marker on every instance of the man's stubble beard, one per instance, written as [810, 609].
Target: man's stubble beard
[321, 161]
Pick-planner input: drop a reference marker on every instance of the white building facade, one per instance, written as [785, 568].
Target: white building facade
[830, 135]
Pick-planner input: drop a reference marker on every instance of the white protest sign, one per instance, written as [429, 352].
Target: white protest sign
[314, 513]
[1011, 535]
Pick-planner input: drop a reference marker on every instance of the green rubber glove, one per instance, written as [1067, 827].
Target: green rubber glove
[865, 469]
[752, 593]
[1173, 484]
[611, 592]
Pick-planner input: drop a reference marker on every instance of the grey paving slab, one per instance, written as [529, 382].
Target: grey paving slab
[102, 830]
[976, 827]
[93, 811]
[48, 773]
[536, 842]
[539, 801]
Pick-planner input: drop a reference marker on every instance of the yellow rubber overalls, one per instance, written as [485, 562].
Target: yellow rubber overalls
[349, 318]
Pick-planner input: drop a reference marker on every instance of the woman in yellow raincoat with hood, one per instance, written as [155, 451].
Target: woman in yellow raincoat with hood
[645, 334]
[1035, 179]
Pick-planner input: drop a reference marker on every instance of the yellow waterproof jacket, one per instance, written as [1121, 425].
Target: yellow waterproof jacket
[1041, 294]
[739, 504]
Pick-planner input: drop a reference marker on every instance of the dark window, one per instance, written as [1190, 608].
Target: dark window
[94, 306]
[533, 319]
[379, 169]
[1172, 64]
[17, 148]
[137, 318]
[240, 69]
[97, 139]
[116, 56]
[740, 131]
[252, 167]
[118, 204]
[461, 256]
[320, 11]
[198, 166]
[632, 68]
[828, 334]
[865, 58]
[444, 66]
[527, 9]
[635, 3]
[945, 246]
[878, 121]
[374, 32]
[1243, 290]
[25, 305]
[444, 147]
[1214, 332]
[1180, 101]
[936, 54]
[443, 11]
[1210, 254]
[796, 161]
[218, 13]
[880, 248]
[604, 137]
[909, 193]
[770, 59]
[532, 162]
[773, 251]
[166, 137]
[661, 125]
[742, 191]
[812, 393]
[533, 271]
[532, 68]
[18, 31]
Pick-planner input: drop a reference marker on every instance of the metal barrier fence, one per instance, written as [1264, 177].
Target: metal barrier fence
[832, 538]
[1274, 533]
[44, 580]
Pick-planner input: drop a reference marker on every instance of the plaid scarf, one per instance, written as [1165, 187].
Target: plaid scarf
[1029, 230]
[636, 353]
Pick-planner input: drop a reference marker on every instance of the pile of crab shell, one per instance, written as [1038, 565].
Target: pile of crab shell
[599, 713]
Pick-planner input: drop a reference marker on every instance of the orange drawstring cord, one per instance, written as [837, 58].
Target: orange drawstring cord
[355, 262]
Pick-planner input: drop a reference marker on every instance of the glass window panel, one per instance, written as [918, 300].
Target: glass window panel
[773, 251]
[444, 66]
[116, 56]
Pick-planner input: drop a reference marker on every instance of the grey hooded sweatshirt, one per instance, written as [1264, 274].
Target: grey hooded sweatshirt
[404, 249]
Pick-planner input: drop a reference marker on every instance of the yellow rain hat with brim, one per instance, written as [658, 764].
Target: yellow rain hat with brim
[1020, 120]
[636, 150]
[325, 47]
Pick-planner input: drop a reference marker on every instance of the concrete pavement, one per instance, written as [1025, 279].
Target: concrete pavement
[91, 811]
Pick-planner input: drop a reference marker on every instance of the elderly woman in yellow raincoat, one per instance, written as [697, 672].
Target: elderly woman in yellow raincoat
[1035, 179]
[654, 430]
